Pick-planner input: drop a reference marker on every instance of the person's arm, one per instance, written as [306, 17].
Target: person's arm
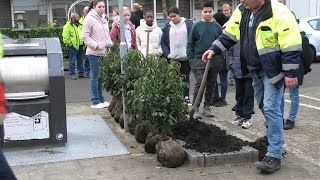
[160, 35]
[114, 35]
[66, 35]
[165, 41]
[290, 42]
[86, 34]
[138, 40]
[190, 44]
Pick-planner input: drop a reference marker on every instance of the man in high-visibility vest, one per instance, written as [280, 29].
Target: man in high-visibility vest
[71, 35]
[5, 170]
[270, 47]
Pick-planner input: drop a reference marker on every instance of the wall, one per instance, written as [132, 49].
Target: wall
[5, 14]
[304, 8]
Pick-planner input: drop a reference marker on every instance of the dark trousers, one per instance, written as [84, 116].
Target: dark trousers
[210, 85]
[76, 58]
[185, 71]
[224, 86]
[5, 170]
[244, 97]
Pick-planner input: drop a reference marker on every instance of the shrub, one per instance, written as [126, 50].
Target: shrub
[110, 73]
[158, 95]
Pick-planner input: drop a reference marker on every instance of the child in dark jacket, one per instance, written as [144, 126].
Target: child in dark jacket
[202, 34]
[174, 44]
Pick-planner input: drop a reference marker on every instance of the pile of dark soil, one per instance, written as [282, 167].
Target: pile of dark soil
[204, 137]
[261, 144]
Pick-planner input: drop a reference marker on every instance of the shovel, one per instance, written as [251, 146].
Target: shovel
[200, 92]
[148, 39]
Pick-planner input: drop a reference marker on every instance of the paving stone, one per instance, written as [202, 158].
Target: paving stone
[194, 158]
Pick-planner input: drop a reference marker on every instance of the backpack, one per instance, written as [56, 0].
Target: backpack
[306, 54]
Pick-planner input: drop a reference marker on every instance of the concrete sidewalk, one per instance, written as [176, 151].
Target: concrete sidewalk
[138, 165]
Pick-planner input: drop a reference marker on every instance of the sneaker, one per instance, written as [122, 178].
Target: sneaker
[215, 100]
[197, 115]
[207, 112]
[106, 103]
[246, 124]
[188, 100]
[268, 165]
[81, 76]
[98, 106]
[238, 121]
[288, 125]
[73, 77]
[234, 108]
[221, 103]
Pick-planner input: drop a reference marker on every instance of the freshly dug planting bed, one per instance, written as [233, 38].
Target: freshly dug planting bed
[206, 138]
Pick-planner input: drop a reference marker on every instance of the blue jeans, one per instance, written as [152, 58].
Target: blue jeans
[294, 105]
[95, 85]
[86, 65]
[75, 56]
[224, 83]
[230, 76]
[269, 98]
[5, 170]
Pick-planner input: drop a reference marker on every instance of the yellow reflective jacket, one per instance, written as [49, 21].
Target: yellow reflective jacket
[81, 20]
[1, 47]
[71, 35]
[278, 40]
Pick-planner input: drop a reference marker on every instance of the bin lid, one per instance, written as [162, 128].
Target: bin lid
[18, 47]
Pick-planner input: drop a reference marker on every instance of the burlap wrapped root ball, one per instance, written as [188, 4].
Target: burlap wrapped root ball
[141, 131]
[170, 154]
[118, 113]
[151, 142]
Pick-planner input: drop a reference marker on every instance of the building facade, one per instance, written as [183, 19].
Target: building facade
[43, 12]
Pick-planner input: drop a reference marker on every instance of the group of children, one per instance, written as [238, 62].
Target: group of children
[180, 40]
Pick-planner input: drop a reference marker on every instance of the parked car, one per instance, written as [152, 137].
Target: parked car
[311, 26]
[162, 22]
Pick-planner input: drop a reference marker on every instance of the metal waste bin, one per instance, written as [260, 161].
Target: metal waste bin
[33, 74]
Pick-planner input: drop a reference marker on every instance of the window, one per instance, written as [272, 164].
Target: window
[315, 24]
[60, 9]
[36, 11]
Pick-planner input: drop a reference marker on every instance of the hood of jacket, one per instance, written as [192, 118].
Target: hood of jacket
[94, 14]
[144, 24]
[178, 25]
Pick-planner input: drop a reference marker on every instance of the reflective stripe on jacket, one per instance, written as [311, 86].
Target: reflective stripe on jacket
[278, 40]
[71, 35]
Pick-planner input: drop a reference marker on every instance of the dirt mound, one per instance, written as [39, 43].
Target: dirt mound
[204, 137]
[261, 144]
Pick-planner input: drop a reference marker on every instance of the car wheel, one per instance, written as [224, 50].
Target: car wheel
[314, 54]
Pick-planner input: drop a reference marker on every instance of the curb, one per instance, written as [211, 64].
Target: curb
[245, 155]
